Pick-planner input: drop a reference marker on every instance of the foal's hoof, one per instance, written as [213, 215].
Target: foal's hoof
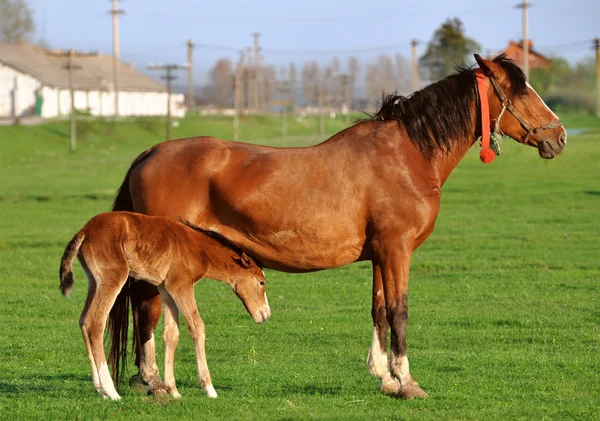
[389, 387]
[137, 384]
[410, 391]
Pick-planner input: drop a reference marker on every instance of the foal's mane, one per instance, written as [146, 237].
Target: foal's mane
[441, 114]
[220, 239]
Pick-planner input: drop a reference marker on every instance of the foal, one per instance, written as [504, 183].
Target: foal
[168, 254]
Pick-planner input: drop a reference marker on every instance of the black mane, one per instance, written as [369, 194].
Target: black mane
[438, 116]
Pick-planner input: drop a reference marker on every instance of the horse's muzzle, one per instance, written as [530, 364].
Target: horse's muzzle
[262, 315]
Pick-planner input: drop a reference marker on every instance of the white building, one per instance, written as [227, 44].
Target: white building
[28, 71]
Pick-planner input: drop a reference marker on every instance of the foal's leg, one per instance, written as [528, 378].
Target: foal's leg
[170, 337]
[187, 305]
[86, 339]
[377, 361]
[146, 306]
[107, 289]
[395, 265]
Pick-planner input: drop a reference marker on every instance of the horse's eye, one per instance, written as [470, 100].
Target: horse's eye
[262, 282]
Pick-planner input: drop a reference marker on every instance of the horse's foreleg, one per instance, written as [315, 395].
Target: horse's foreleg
[187, 305]
[377, 361]
[395, 265]
[171, 337]
[146, 305]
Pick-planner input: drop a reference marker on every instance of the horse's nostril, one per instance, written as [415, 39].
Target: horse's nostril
[563, 139]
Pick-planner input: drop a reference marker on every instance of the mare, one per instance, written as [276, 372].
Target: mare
[370, 192]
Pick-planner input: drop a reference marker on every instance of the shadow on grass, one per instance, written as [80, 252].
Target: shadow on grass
[592, 192]
[43, 198]
[311, 390]
[45, 384]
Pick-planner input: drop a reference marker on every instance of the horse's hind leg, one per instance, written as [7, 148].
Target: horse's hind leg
[377, 361]
[170, 337]
[107, 288]
[184, 298]
[86, 339]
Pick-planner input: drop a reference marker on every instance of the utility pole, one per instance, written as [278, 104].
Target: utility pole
[292, 87]
[320, 102]
[525, 5]
[597, 49]
[416, 83]
[237, 96]
[169, 77]
[115, 12]
[284, 87]
[258, 85]
[70, 66]
[191, 101]
[346, 88]
[250, 81]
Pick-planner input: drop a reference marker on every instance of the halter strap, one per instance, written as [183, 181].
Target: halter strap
[507, 104]
[486, 154]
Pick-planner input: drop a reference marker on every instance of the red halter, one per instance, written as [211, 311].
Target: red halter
[487, 154]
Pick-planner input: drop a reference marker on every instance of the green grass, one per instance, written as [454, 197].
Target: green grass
[504, 296]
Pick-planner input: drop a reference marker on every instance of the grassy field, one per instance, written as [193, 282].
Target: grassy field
[504, 297]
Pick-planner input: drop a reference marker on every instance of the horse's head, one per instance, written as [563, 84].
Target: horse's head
[249, 284]
[516, 109]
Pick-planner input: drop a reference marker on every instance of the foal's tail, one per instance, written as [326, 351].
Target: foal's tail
[118, 318]
[66, 264]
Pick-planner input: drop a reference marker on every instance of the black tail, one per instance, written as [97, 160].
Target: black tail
[118, 319]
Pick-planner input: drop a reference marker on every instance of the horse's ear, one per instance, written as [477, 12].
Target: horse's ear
[243, 260]
[489, 68]
[246, 260]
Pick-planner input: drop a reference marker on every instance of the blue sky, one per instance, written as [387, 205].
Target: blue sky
[155, 31]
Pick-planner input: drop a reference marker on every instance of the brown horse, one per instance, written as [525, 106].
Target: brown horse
[371, 192]
[170, 256]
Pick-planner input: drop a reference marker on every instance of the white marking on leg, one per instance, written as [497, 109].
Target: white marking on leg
[210, 391]
[107, 386]
[400, 369]
[377, 361]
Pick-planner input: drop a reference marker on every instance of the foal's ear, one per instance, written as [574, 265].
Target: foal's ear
[243, 260]
[489, 68]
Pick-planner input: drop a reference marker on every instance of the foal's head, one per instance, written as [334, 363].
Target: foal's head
[248, 281]
[533, 123]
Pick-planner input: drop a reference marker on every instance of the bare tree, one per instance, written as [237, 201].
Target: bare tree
[293, 81]
[270, 80]
[353, 72]
[310, 82]
[219, 90]
[381, 77]
[16, 20]
[402, 74]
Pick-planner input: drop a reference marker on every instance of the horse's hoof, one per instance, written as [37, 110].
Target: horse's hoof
[157, 390]
[411, 391]
[137, 384]
[210, 391]
[390, 387]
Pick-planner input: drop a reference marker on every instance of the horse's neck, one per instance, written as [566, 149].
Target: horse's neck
[445, 164]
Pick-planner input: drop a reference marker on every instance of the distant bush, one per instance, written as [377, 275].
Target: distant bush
[571, 101]
[150, 124]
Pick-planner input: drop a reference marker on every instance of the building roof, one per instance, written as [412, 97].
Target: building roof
[95, 72]
[515, 52]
